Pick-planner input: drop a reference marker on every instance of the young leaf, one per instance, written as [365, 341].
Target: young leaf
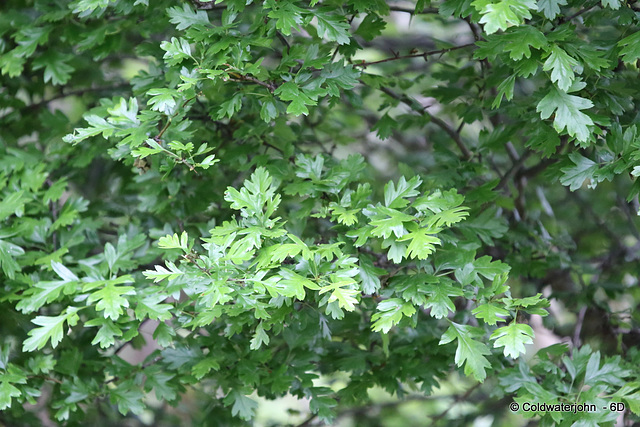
[470, 352]
[396, 196]
[550, 8]
[561, 66]
[583, 169]
[421, 243]
[513, 338]
[50, 329]
[500, 15]
[187, 17]
[568, 113]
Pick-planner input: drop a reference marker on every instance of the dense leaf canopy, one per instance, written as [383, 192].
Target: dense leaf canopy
[209, 205]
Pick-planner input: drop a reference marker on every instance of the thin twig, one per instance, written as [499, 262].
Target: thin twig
[578, 328]
[242, 78]
[427, 11]
[207, 5]
[417, 107]
[517, 165]
[46, 378]
[53, 207]
[308, 421]
[424, 55]
[458, 399]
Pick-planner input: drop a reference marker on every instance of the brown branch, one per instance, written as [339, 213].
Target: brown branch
[237, 77]
[308, 421]
[578, 328]
[158, 137]
[424, 55]
[427, 11]
[46, 378]
[457, 400]
[417, 107]
[210, 5]
[53, 207]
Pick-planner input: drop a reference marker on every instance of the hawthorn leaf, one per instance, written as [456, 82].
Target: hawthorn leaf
[513, 338]
[504, 13]
[550, 8]
[568, 113]
[561, 66]
[470, 352]
[50, 329]
[583, 169]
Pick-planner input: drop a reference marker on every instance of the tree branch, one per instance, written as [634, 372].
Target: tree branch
[427, 11]
[417, 107]
[424, 55]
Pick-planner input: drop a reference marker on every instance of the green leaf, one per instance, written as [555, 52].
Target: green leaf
[84, 7]
[490, 313]
[177, 50]
[388, 221]
[346, 297]
[500, 15]
[561, 66]
[505, 89]
[421, 243]
[292, 284]
[203, 367]
[229, 108]
[332, 28]
[257, 197]
[44, 293]
[550, 8]
[175, 242]
[110, 298]
[162, 273]
[268, 111]
[187, 17]
[56, 70]
[370, 275]
[151, 306]
[630, 51]
[107, 332]
[470, 351]
[568, 114]
[97, 125]
[50, 328]
[447, 218]
[438, 201]
[385, 126]
[371, 26]
[8, 254]
[390, 312]
[243, 406]
[513, 338]
[162, 100]
[439, 302]
[128, 397]
[7, 391]
[286, 14]
[13, 204]
[259, 338]
[613, 4]
[583, 169]
[396, 197]
[64, 273]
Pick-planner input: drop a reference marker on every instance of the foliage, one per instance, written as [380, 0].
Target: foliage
[301, 199]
